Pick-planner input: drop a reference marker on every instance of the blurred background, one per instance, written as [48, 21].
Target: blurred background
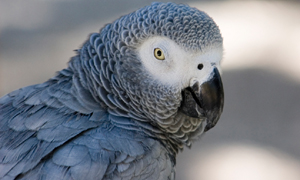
[258, 135]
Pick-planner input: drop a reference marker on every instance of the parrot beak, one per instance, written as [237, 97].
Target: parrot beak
[204, 100]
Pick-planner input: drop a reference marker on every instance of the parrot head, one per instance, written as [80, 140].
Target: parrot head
[160, 66]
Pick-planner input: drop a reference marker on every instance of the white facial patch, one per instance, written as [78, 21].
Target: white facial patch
[179, 66]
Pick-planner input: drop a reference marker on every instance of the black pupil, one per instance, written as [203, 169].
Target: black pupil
[159, 53]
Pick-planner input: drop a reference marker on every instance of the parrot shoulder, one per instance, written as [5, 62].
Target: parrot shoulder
[37, 119]
[107, 152]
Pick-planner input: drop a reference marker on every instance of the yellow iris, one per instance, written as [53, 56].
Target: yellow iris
[158, 53]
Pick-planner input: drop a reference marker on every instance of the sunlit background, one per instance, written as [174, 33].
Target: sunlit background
[258, 135]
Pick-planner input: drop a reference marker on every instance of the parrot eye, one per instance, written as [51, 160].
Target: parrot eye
[159, 54]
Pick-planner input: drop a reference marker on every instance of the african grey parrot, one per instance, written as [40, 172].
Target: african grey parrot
[134, 95]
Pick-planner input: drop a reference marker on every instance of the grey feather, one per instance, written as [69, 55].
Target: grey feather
[70, 155]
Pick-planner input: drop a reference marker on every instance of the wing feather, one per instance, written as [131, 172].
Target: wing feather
[37, 119]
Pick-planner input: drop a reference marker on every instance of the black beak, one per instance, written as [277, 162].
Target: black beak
[205, 100]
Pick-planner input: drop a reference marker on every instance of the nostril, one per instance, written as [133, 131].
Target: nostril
[200, 66]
